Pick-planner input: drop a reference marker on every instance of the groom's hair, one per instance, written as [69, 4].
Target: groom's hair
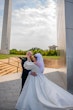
[29, 53]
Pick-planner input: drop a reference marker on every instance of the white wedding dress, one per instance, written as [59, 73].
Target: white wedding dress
[39, 93]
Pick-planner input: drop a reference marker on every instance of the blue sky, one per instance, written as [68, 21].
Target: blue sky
[33, 23]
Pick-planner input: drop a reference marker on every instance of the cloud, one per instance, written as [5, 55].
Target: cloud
[33, 24]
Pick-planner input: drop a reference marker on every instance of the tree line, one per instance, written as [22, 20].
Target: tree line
[36, 50]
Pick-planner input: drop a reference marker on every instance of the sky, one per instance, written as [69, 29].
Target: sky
[33, 24]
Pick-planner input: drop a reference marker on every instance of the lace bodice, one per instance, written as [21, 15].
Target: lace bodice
[31, 66]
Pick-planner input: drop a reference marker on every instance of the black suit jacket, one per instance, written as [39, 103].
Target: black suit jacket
[24, 71]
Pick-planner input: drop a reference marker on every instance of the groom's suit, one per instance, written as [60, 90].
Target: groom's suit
[24, 71]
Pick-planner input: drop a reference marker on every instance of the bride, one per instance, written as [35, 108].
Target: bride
[39, 93]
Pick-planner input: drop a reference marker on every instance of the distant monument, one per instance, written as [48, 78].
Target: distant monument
[52, 47]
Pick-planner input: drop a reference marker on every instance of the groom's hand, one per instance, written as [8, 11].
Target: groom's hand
[33, 74]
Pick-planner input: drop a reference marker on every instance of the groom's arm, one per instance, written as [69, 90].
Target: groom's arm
[33, 74]
[23, 59]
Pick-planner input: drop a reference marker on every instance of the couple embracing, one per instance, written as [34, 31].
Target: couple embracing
[38, 92]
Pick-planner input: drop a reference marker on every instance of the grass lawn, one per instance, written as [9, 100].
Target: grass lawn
[3, 56]
[51, 57]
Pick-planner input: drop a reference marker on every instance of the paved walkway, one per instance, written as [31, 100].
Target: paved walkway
[10, 86]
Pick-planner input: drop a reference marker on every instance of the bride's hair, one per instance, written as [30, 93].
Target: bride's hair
[35, 57]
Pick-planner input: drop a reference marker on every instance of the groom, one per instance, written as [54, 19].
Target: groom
[24, 71]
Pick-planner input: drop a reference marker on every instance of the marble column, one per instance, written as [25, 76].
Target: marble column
[69, 43]
[61, 36]
[5, 41]
[65, 37]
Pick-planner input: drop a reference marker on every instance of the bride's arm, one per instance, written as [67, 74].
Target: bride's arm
[29, 66]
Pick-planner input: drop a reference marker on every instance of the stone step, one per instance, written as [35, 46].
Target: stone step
[6, 69]
[10, 66]
[4, 66]
[9, 71]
